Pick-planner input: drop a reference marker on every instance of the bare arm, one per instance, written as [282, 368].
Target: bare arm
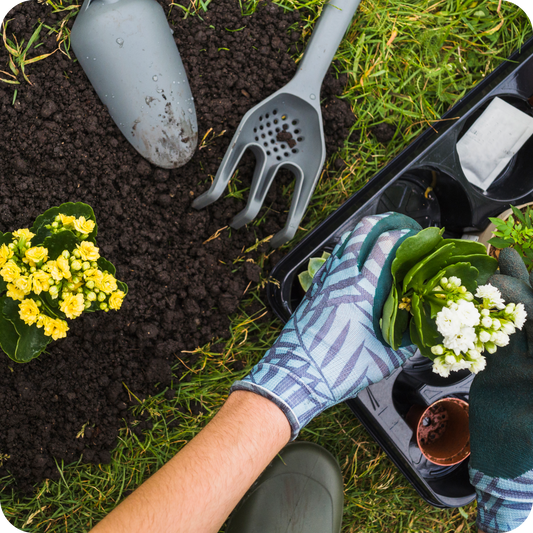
[197, 489]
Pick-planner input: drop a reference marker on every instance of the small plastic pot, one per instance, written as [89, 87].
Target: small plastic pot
[441, 430]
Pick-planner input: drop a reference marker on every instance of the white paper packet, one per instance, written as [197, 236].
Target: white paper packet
[490, 143]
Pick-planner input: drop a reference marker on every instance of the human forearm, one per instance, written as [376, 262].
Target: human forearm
[200, 486]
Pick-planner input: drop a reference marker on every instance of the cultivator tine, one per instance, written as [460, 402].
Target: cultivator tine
[302, 195]
[225, 171]
[260, 185]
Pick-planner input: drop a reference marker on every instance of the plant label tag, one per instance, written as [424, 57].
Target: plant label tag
[490, 143]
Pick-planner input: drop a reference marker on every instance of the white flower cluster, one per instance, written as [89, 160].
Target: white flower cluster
[469, 327]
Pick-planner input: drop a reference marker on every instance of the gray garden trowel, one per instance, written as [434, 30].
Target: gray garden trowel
[127, 50]
[285, 130]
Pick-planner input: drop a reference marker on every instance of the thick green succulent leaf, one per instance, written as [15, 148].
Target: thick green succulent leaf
[422, 318]
[416, 339]
[417, 277]
[465, 247]
[57, 243]
[315, 263]
[77, 209]
[122, 287]
[466, 272]
[413, 249]
[305, 280]
[6, 238]
[389, 315]
[8, 333]
[31, 340]
[485, 264]
[104, 264]
[325, 255]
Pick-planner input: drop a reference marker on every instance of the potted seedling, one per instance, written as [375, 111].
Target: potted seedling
[512, 229]
[51, 273]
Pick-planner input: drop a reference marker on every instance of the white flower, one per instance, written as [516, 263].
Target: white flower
[450, 359]
[448, 322]
[478, 364]
[519, 316]
[437, 349]
[508, 328]
[491, 296]
[491, 347]
[455, 281]
[440, 368]
[461, 365]
[496, 324]
[462, 342]
[469, 296]
[486, 322]
[485, 312]
[484, 336]
[468, 313]
[509, 308]
[473, 355]
[499, 338]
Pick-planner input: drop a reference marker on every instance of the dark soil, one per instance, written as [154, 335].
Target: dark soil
[58, 144]
[433, 425]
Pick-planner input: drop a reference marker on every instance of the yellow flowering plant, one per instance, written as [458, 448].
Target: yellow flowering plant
[49, 274]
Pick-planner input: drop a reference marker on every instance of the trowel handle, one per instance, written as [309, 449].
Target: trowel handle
[335, 19]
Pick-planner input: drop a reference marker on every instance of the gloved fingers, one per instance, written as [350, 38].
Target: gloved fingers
[511, 264]
[514, 290]
[368, 231]
[377, 271]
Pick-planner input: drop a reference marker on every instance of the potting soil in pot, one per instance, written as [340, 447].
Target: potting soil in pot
[58, 144]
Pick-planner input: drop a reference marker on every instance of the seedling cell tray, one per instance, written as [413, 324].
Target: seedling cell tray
[427, 183]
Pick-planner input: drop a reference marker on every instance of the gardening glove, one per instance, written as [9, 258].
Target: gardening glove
[332, 348]
[501, 414]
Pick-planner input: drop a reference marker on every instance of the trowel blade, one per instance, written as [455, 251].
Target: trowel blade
[127, 50]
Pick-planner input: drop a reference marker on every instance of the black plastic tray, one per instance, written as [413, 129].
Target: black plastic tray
[426, 182]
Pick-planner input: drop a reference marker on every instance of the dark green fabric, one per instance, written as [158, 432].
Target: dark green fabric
[501, 396]
[509, 264]
[393, 222]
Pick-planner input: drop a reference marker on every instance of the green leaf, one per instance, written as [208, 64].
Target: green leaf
[57, 243]
[416, 339]
[518, 214]
[325, 255]
[427, 268]
[315, 263]
[413, 249]
[485, 264]
[388, 315]
[104, 265]
[465, 247]
[8, 333]
[122, 287]
[497, 242]
[70, 209]
[435, 304]
[31, 340]
[305, 280]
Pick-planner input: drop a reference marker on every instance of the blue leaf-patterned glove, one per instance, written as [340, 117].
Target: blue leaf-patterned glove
[501, 414]
[331, 348]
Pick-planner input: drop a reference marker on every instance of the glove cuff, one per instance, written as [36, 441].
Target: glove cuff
[503, 504]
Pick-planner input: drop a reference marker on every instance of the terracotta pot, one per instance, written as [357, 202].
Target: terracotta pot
[441, 430]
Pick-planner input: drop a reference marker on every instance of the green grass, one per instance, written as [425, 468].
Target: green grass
[407, 63]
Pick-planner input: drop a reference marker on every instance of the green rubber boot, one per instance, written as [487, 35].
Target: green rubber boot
[301, 491]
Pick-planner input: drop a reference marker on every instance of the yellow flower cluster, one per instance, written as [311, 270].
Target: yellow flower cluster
[80, 225]
[74, 279]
